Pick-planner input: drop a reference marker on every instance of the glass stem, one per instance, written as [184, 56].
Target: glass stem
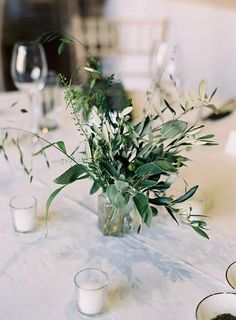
[33, 115]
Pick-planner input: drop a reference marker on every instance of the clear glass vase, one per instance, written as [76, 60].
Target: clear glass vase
[113, 221]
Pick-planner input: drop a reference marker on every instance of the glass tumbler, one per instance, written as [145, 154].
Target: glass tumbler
[50, 101]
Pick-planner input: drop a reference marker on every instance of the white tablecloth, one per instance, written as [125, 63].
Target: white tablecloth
[162, 273]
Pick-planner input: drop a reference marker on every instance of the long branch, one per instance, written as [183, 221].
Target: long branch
[41, 138]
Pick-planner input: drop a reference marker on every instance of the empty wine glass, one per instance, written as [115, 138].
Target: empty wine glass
[29, 71]
[164, 71]
[157, 60]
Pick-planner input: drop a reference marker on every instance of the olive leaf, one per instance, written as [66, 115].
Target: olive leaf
[72, 174]
[95, 187]
[142, 204]
[187, 195]
[51, 198]
[172, 128]
[202, 90]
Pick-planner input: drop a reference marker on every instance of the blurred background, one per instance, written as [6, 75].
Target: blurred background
[139, 40]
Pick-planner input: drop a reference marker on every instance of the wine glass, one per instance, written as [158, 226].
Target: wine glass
[29, 71]
[157, 60]
[164, 71]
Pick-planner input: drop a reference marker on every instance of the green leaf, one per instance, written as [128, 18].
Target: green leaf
[95, 187]
[171, 213]
[160, 201]
[202, 90]
[115, 197]
[64, 41]
[208, 136]
[154, 211]
[213, 93]
[71, 175]
[60, 47]
[141, 127]
[120, 201]
[201, 232]
[149, 184]
[148, 169]
[142, 204]
[50, 199]
[169, 107]
[61, 145]
[187, 195]
[67, 40]
[172, 128]
[146, 127]
[198, 223]
[121, 185]
[92, 84]
[145, 151]
[58, 143]
[111, 192]
[155, 177]
[165, 166]
[110, 169]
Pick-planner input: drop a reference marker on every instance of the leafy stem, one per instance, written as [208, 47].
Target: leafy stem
[37, 136]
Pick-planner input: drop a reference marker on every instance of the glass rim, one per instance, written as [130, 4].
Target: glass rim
[91, 289]
[23, 195]
[209, 296]
[227, 274]
[27, 42]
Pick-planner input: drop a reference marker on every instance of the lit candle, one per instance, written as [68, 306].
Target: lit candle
[91, 287]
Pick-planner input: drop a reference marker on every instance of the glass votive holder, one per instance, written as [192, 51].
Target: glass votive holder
[219, 305]
[23, 210]
[91, 291]
[50, 102]
[230, 275]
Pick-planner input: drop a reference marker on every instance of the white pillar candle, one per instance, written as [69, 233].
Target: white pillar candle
[24, 220]
[91, 298]
[91, 285]
[23, 209]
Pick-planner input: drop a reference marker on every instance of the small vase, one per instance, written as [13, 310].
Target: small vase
[113, 221]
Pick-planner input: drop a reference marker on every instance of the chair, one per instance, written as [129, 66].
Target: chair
[124, 47]
[2, 3]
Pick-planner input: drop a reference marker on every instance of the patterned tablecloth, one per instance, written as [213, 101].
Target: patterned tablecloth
[162, 273]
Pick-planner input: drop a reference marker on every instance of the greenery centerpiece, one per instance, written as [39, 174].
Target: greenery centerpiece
[133, 165]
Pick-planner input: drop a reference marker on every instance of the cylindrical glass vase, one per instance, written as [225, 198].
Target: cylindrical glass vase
[116, 221]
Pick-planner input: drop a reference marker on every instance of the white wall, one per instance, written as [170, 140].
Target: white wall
[204, 33]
